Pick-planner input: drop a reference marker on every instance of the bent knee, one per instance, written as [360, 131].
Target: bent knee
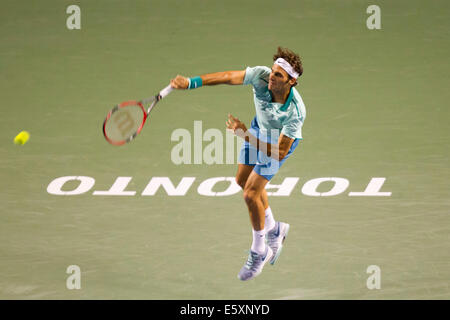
[250, 195]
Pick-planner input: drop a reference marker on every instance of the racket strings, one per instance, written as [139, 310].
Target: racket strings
[124, 123]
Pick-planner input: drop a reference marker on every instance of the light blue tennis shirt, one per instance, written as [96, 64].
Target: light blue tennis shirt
[287, 118]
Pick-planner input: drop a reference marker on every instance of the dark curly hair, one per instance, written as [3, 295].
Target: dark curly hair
[291, 57]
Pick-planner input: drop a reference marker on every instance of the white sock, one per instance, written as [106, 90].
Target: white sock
[269, 221]
[259, 241]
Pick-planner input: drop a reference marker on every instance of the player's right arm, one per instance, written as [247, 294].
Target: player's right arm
[211, 79]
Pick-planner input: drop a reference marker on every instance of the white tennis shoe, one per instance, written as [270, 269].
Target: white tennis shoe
[275, 238]
[254, 265]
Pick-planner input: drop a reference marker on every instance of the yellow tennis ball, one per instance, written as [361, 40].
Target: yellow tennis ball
[22, 138]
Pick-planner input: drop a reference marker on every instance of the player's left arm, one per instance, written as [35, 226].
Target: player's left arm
[284, 145]
[276, 151]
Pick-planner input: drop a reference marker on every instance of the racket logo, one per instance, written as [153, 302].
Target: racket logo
[124, 123]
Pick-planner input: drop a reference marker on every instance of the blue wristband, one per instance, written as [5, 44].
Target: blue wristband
[195, 82]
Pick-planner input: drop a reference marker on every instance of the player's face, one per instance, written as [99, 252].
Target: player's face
[278, 79]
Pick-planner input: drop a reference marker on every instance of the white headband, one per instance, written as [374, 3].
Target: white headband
[287, 67]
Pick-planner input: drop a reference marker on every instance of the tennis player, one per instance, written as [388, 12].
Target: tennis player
[273, 136]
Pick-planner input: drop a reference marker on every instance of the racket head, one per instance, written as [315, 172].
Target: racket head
[124, 122]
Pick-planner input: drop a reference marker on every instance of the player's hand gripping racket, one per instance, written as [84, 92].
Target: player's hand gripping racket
[126, 120]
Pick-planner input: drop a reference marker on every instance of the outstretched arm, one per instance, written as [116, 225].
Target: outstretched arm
[211, 79]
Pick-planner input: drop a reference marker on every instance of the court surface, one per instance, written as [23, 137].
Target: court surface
[377, 107]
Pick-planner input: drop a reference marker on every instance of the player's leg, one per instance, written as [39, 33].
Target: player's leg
[264, 199]
[242, 175]
[260, 253]
[248, 159]
[276, 232]
[269, 220]
[254, 190]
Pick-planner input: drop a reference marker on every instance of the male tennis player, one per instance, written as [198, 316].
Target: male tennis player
[274, 134]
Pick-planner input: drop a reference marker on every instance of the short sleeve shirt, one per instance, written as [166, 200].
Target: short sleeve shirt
[287, 118]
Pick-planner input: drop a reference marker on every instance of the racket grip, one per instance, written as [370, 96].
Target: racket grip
[164, 92]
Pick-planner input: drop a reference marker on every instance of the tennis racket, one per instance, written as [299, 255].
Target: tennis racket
[126, 120]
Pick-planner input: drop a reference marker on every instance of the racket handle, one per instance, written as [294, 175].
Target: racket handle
[164, 92]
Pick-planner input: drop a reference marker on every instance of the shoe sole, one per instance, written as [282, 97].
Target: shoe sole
[275, 258]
